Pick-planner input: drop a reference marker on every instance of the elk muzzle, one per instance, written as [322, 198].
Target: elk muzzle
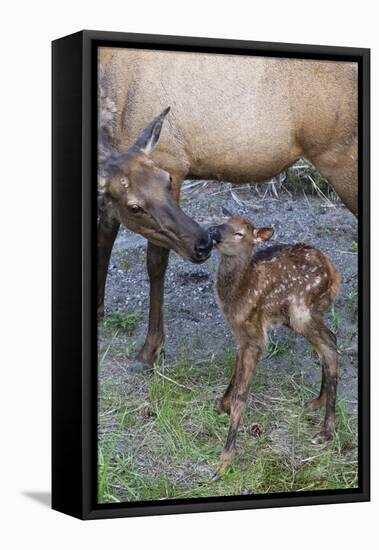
[203, 248]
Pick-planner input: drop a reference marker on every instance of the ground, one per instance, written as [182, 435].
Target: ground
[159, 434]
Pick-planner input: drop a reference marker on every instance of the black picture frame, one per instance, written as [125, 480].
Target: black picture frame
[74, 204]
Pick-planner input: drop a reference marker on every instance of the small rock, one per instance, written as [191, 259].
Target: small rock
[147, 411]
[255, 430]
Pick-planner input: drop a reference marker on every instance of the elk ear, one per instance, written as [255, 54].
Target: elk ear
[149, 136]
[226, 212]
[263, 234]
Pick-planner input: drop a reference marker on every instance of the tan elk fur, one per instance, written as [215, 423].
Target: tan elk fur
[238, 118]
[235, 118]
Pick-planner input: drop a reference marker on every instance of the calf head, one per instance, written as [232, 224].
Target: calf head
[139, 194]
[237, 235]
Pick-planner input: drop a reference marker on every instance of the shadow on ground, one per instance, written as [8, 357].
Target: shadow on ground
[41, 497]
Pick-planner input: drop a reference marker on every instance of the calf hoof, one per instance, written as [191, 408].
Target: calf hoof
[315, 403]
[225, 461]
[321, 438]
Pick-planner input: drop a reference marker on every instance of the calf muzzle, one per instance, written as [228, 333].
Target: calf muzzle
[214, 233]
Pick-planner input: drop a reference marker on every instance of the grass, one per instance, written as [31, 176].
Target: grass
[126, 322]
[276, 348]
[303, 177]
[160, 436]
[335, 320]
[352, 301]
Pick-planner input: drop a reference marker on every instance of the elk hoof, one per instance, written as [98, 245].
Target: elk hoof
[321, 438]
[138, 367]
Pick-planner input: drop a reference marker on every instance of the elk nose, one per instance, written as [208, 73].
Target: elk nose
[203, 248]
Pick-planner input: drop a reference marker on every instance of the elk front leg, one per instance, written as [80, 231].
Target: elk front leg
[107, 230]
[157, 260]
[245, 368]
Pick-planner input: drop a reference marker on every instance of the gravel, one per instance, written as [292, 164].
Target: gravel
[194, 324]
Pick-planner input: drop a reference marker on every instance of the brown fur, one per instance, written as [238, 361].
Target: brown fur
[139, 194]
[292, 285]
[236, 118]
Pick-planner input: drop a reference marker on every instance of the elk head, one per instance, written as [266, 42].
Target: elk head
[139, 194]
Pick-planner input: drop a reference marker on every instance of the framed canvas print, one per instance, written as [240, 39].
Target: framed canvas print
[210, 274]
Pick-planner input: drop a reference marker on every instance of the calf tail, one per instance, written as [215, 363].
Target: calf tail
[335, 279]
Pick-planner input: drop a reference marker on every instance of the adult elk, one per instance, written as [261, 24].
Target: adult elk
[236, 118]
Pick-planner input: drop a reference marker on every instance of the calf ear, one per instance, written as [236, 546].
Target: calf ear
[226, 212]
[263, 234]
[149, 136]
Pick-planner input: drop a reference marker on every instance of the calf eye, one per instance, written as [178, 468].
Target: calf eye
[134, 208]
[239, 234]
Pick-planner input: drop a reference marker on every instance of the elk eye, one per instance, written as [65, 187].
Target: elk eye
[134, 208]
[239, 234]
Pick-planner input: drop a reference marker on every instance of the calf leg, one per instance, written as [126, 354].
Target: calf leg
[245, 368]
[224, 405]
[157, 259]
[107, 230]
[325, 343]
[321, 400]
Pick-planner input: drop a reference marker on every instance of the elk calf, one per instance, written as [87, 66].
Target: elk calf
[291, 285]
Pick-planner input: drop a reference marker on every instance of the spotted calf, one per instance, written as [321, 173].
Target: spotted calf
[291, 285]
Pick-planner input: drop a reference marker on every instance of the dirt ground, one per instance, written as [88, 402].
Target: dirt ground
[195, 329]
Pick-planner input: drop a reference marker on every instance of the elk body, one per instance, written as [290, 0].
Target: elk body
[291, 285]
[234, 118]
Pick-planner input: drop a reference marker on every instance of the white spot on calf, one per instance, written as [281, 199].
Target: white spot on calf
[240, 318]
[299, 315]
